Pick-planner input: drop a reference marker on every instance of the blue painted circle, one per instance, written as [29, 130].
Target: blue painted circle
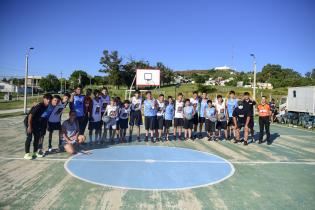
[149, 167]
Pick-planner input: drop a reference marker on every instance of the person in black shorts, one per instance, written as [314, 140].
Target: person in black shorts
[124, 113]
[168, 116]
[241, 120]
[135, 114]
[189, 112]
[249, 104]
[160, 116]
[178, 116]
[195, 103]
[54, 121]
[32, 124]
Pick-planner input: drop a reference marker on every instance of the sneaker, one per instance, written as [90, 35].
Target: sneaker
[50, 149]
[268, 142]
[130, 139]
[138, 138]
[146, 139]
[38, 154]
[28, 156]
[260, 142]
[200, 136]
[209, 138]
[236, 141]
[245, 143]
[152, 140]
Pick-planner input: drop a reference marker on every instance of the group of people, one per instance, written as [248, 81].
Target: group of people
[109, 119]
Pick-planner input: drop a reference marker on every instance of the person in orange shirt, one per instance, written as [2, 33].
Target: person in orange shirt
[264, 119]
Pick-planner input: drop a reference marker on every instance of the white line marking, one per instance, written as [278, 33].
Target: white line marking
[166, 161]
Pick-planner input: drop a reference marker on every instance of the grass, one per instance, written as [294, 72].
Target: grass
[14, 114]
[186, 89]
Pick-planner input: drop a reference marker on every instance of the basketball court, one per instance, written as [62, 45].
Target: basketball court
[169, 175]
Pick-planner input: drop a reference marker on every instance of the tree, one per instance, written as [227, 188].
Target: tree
[129, 70]
[111, 63]
[79, 77]
[50, 83]
[167, 75]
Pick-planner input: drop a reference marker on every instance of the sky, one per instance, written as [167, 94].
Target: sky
[183, 34]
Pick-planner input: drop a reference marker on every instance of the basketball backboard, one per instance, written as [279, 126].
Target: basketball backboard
[148, 77]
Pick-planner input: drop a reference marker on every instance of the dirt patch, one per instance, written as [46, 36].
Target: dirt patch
[50, 196]
[189, 201]
[112, 199]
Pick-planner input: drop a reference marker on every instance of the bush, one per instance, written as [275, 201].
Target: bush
[206, 88]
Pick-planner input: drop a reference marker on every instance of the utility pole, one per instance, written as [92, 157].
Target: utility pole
[25, 79]
[60, 82]
[254, 68]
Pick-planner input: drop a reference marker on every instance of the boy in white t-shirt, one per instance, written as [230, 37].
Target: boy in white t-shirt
[110, 117]
[179, 116]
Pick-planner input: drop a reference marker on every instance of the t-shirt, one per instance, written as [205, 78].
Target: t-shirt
[264, 110]
[46, 114]
[210, 113]
[78, 105]
[203, 105]
[161, 108]
[272, 106]
[37, 112]
[105, 101]
[220, 108]
[231, 105]
[124, 113]
[87, 103]
[169, 112]
[136, 103]
[248, 106]
[96, 110]
[179, 108]
[112, 111]
[149, 108]
[240, 115]
[195, 103]
[55, 116]
[70, 128]
[188, 112]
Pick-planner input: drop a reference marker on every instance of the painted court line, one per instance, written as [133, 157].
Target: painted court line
[170, 161]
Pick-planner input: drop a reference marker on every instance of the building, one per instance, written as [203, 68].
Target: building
[34, 81]
[264, 85]
[6, 87]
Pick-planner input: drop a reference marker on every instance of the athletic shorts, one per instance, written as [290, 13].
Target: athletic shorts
[178, 122]
[210, 126]
[64, 142]
[54, 126]
[167, 124]
[135, 118]
[43, 126]
[251, 122]
[195, 119]
[202, 119]
[240, 125]
[231, 122]
[150, 122]
[160, 122]
[221, 125]
[95, 125]
[112, 124]
[188, 124]
[123, 123]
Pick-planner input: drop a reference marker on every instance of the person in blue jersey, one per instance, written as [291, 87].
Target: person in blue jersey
[105, 99]
[135, 114]
[77, 105]
[150, 120]
[32, 123]
[168, 116]
[211, 119]
[195, 103]
[231, 104]
[95, 117]
[124, 113]
[54, 121]
[202, 107]
[44, 122]
[189, 112]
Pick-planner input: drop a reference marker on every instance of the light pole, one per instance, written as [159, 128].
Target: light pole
[254, 66]
[25, 80]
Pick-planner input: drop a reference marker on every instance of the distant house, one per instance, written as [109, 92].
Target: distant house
[264, 85]
[33, 81]
[6, 87]
[239, 84]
